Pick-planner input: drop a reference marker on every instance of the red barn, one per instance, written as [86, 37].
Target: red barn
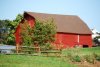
[71, 30]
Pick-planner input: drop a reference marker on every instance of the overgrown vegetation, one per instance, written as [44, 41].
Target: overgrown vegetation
[89, 55]
[89, 58]
[98, 58]
[42, 34]
[7, 29]
[26, 34]
[76, 58]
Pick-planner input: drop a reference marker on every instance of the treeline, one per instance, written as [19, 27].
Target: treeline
[7, 29]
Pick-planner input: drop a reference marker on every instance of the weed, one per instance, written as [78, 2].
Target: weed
[89, 58]
[77, 58]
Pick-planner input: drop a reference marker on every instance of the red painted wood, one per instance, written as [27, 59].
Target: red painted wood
[31, 21]
[68, 40]
[85, 40]
[71, 40]
[17, 35]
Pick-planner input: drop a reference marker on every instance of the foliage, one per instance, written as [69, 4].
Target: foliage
[82, 54]
[89, 58]
[48, 46]
[12, 26]
[7, 29]
[96, 40]
[98, 58]
[73, 57]
[44, 32]
[26, 35]
[4, 30]
[77, 58]
[70, 56]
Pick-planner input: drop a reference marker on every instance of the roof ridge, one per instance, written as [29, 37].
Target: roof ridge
[49, 13]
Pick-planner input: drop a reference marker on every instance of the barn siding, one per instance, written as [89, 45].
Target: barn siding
[68, 40]
[17, 35]
[31, 21]
[85, 40]
[71, 40]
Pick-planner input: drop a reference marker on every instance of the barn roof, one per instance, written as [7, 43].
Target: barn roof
[65, 23]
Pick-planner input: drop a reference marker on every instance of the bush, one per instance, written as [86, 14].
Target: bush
[89, 58]
[48, 46]
[95, 55]
[77, 58]
[70, 56]
[98, 58]
[73, 58]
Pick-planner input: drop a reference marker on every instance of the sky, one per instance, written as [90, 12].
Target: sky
[87, 10]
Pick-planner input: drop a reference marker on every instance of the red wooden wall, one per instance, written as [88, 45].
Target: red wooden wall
[66, 39]
[17, 35]
[30, 20]
[71, 40]
[85, 40]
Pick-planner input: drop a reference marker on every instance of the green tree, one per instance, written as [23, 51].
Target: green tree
[4, 30]
[26, 34]
[44, 32]
[12, 26]
[7, 29]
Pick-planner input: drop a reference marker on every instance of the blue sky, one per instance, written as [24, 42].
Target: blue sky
[87, 10]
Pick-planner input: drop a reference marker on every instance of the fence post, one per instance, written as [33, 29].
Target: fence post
[17, 48]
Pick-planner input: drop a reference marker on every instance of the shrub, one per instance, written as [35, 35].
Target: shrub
[70, 56]
[95, 55]
[89, 58]
[98, 58]
[77, 58]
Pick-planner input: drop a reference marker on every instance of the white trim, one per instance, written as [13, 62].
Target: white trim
[78, 38]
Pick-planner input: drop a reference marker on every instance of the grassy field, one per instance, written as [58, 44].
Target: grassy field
[32, 61]
[42, 61]
[81, 51]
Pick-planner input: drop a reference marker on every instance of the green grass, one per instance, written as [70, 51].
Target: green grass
[42, 61]
[32, 61]
[82, 51]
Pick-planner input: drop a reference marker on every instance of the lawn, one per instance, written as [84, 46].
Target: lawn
[32, 61]
[43, 61]
[81, 51]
